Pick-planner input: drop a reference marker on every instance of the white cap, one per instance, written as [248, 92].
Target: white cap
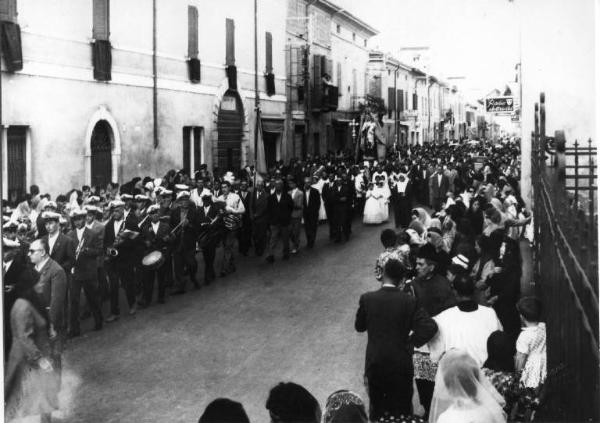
[181, 187]
[49, 215]
[51, 204]
[78, 213]
[91, 209]
[116, 203]
[153, 208]
[141, 197]
[9, 243]
[183, 194]
[126, 196]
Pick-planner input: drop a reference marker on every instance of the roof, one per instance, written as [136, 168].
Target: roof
[337, 10]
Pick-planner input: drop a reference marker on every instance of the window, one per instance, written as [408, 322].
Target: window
[8, 10]
[339, 74]
[365, 42]
[338, 29]
[192, 148]
[415, 101]
[229, 42]
[16, 159]
[101, 20]
[391, 101]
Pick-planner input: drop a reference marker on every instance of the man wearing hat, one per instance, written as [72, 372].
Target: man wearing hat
[210, 234]
[93, 223]
[432, 292]
[156, 238]
[14, 272]
[84, 274]
[120, 267]
[60, 246]
[184, 221]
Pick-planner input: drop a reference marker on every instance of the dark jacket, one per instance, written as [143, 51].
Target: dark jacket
[189, 232]
[126, 249]
[314, 203]
[388, 316]
[156, 241]
[86, 263]
[433, 294]
[259, 206]
[280, 212]
[63, 252]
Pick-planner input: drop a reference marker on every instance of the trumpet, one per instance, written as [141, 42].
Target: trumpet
[112, 252]
[143, 221]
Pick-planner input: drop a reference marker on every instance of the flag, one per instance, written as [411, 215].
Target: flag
[261, 162]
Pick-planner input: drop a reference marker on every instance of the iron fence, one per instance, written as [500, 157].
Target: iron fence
[566, 271]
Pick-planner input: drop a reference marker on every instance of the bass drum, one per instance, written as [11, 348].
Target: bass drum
[153, 260]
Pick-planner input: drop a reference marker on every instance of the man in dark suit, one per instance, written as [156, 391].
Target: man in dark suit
[279, 208]
[210, 232]
[402, 201]
[438, 187]
[245, 231]
[259, 217]
[14, 272]
[62, 249]
[388, 316]
[340, 195]
[420, 175]
[156, 237]
[120, 267]
[85, 272]
[184, 245]
[312, 203]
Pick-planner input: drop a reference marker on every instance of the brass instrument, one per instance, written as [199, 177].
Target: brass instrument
[176, 228]
[112, 251]
[143, 221]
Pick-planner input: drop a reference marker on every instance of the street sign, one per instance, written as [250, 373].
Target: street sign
[501, 105]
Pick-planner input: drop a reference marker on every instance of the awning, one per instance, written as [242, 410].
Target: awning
[272, 124]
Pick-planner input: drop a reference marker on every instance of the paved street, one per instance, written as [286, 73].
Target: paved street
[291, 321]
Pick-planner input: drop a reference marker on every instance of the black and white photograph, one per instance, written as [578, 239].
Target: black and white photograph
[299, 211]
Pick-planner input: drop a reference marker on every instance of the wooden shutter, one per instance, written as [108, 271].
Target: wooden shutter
[391, 99]
[269, 52]
[229, 42]
[187, 132]
[192, 32]
[415, 102]
[400, 100]
[101, 27]
[197, 148]
[8, 10]
[317, 83]
[339, 75]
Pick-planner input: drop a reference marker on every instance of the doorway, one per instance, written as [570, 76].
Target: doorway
[16, 152]
[230, 128]
[270, 140]
[101, 160]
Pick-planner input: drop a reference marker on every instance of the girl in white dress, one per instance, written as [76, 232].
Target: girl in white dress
[384, 201]
[530, 359]
[372, 211]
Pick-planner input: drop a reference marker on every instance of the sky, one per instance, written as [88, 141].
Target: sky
[474, 39]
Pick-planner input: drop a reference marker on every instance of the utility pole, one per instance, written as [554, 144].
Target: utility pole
[154, 78]
[256, 94]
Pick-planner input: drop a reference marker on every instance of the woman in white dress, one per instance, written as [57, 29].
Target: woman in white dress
[372, 211]
[463, 394]
[319, 187]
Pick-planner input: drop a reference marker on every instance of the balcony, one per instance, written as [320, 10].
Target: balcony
[325, 98]
[409, 115]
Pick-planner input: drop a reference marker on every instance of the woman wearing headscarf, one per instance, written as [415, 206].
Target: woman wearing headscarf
[31, 382]
[463, 394]
[484, 267]
[475, 216]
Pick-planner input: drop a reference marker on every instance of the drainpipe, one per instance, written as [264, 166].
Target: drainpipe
[154, 78]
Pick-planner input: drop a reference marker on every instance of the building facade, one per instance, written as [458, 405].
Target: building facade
[327, 56]
[107, 91]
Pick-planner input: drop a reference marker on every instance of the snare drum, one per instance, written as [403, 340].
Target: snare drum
[153, 260]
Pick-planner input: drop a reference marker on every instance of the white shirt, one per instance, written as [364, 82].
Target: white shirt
[439, 179]
[278, 197]
[196, 197]
[155, 227]
[40, 266]
[233, 203]
[7, 265]
[468, 331]
[117, 226]
[126, 213]
[206, 210]
[51, 241]
[79, 233]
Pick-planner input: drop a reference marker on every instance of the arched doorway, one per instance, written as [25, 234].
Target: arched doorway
[101, 157]
[230, 128]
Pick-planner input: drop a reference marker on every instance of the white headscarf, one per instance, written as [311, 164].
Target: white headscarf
[463, 393]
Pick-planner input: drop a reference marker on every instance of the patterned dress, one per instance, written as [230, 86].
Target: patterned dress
[532, 342]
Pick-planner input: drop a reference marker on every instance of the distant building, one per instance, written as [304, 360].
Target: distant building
[327, 56]
[79, 108]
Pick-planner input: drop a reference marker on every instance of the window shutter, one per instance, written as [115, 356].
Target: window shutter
[269, 52]
[317, 88]
[192, 32]
[400, 100]
[187, 133]
[101, 20]
[415, 102]
[230, 42]
[339, 75]
[8, 10]
[391, 99]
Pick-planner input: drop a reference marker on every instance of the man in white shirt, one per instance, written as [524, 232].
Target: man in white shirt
[466, 326]
[296, 222]
[199, 192]
[234, 208]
